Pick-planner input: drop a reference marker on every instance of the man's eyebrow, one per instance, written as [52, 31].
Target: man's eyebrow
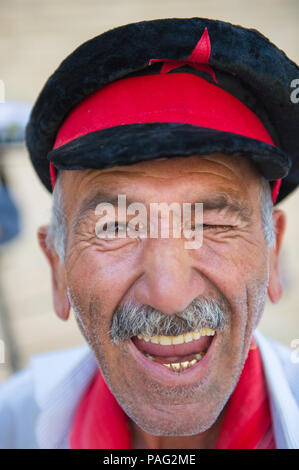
[229, 205]
[90, 204]
[217, 203]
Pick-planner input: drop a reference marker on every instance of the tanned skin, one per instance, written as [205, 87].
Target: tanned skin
[234, 262]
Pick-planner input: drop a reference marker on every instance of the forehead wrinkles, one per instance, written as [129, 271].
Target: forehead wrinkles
[131, 184]
[228, 167]
[151, 176]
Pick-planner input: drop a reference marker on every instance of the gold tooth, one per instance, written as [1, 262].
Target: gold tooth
[185, 363]
[191, 363]
[176, 366]
[184, 366]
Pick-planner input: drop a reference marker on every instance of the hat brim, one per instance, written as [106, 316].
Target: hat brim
[133, 143]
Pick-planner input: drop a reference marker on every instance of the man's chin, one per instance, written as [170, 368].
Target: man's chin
[169, 424]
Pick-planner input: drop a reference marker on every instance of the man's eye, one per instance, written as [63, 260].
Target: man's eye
[110, 229]
[120, 227]
[114, 227]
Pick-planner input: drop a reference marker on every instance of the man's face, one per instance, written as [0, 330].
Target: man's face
[105, 276]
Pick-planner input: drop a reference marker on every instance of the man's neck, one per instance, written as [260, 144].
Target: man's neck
[140, 439]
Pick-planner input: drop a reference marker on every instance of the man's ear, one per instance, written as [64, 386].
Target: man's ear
[59, 285]
[275, 288]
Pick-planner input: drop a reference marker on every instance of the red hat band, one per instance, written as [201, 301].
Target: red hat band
[170, 97]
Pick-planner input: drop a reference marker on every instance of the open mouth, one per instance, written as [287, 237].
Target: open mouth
[176, 353]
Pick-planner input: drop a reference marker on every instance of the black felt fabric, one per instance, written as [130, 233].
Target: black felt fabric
[263, 69]
[132, 143]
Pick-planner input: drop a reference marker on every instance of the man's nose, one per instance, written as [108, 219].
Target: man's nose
[169, 282]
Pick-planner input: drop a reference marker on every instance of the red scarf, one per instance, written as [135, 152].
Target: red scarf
[100, 423]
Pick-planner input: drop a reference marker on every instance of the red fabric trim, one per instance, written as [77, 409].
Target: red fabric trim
[275, 190]
[248, 417]
[175, 97]
[52, 171]
[202, 51]
[198, 59]
[100, 423]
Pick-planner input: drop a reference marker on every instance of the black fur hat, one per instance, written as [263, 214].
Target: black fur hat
[240, 61]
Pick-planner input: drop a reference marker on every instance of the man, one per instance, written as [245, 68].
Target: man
[174, 111]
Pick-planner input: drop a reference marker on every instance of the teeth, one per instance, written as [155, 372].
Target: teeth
[185, 365]
[180, 366]
[166, 340]
[188, 337]
[155, 339]
[196, 334]
[194, 361]
[180, 339]
[149, 356]
[145, 338]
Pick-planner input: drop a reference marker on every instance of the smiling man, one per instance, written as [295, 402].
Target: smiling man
[174, 111]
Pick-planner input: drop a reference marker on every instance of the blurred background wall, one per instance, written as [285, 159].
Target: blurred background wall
[35, 36]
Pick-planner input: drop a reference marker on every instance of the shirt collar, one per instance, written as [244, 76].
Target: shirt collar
[60, 379]
[285, 411]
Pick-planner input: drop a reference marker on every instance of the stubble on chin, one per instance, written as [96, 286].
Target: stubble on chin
[94, 326]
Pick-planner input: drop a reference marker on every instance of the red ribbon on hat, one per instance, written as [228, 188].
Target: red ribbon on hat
[198, 59]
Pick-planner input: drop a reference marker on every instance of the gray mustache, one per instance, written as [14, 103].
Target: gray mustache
[132, 320]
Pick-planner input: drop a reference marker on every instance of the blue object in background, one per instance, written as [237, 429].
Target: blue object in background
[13, 119]
[14, 116]
[9, 216]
